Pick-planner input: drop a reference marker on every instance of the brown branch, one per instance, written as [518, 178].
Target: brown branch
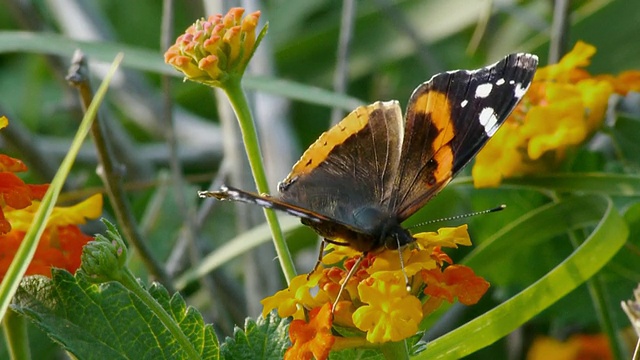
[111, 174]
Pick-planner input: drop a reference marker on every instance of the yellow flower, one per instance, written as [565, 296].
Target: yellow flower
[564, 106]
[448, 237]
[389, 262]
[211, 50]
[298, 292]
[376, 302]
[390, 312]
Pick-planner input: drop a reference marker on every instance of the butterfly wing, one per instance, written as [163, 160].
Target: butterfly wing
[350, 167]
[449, 119]
[228, 193]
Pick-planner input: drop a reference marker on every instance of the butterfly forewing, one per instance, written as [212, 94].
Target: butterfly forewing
[449, 119]
[336, 178]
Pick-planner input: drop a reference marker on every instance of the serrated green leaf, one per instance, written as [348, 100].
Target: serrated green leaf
[189, 320]
[107, 321]
[262, 339]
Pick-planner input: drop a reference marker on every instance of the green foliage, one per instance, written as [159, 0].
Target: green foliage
[260, 339]
[560, 235]
[99, 321]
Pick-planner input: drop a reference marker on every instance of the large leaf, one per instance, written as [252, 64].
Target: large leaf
[601, 245]
[107, 321]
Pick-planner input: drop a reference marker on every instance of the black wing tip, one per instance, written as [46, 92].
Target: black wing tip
[526, 61]
[523, 60]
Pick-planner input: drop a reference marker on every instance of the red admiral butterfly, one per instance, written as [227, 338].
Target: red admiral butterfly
[361, 179]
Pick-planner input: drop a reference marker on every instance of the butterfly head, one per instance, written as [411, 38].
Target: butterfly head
[384, 229]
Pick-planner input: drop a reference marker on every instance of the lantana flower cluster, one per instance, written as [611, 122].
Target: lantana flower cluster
[215, 48]
[62, 241]
[376, 306]
[563, 108]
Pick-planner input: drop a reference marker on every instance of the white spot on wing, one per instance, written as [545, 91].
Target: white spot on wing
[483, 90]
[519, 91]
[489, 120]
[500, 81]
[464, 103]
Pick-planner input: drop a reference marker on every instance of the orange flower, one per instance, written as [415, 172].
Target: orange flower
[577, 347]
[455, 281]
[14, 193]
[564, 106]
[213, 49]
[376, 302]
[313, 339]
[61, 242]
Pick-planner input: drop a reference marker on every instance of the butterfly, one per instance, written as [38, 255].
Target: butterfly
[362, 178]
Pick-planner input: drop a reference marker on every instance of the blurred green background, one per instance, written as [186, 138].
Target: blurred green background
[393, 47]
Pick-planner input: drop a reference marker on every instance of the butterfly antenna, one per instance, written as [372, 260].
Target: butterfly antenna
[346, 280]
[463, 216]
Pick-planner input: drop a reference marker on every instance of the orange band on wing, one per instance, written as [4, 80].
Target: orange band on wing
[444, 157]
[436, 105]
[357, 120]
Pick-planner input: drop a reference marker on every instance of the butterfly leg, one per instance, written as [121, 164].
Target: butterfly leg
[319, 261]
[321, 252]
[346, 280]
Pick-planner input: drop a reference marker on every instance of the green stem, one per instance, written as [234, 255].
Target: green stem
[233, 89]
[599, 301]
[15, 334]
[127, 279]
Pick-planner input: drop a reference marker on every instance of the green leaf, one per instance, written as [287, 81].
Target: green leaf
[532, 228]
[262, 339]
[591, 183]
[107, 321]
[625, 133]
[602, 244]
[149, 60]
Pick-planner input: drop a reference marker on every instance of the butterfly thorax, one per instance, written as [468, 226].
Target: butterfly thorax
[377, 230]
